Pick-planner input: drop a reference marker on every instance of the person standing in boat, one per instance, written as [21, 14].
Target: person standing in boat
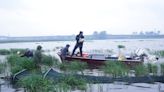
[38, 58]
[79, 43]
[65, 52]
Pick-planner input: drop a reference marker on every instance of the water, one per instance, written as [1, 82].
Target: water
[111, 44]
[130, 44]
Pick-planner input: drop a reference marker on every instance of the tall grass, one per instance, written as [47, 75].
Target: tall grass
[162, 68]
[115, 68]
[141, 70]
[18, 63]
[36, 83]
[73, 67]
[4, 52]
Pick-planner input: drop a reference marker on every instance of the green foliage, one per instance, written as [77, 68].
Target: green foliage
[72, 82]
[48, 60]
[2, 67]
[14, 51]
[4, 52]
[159, 53]
[73, 66]
[18, 63]
[141, 70]
[35, 83]
[152, 68]
[162, 68]
[116, 68]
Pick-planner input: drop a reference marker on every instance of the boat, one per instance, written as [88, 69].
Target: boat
[97, 60]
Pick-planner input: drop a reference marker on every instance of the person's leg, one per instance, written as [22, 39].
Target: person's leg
[74, 49]
[81, 52]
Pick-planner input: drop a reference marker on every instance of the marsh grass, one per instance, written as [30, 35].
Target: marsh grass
[162, 68]
[72, 82]
[2, 67]
[36, 83]
[115, 68]
[4, 52]
[141, 70]
[159, 53]
[18, 63]
[152, 68]
[74, 67]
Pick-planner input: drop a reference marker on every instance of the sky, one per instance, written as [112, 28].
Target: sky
[68, 17]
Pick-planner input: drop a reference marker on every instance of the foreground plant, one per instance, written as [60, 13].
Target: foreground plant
[36, 83]
[141, 70]
[115, 68]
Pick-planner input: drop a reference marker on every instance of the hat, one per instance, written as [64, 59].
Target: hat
[81, 32]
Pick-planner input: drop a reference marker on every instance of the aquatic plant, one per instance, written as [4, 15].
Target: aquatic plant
[72, 82]
[18, 63]
[2, 67]
[152, 68]
[141, 70]
[73, 66]
[162, 68]
[48, 60]
[159, 53]
[15, 50]
[36, 83]
[115, 68]
[4, 52]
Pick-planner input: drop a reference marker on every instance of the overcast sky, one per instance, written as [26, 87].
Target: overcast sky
[67, 17]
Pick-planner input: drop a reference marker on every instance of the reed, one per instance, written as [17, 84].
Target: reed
[115, 68]
[36, 83]
[162, 68]
[4, 52]
[141, 70]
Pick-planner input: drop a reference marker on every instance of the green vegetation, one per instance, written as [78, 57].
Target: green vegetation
[4, 52]
[141, 70]
[162, 68]
[18, 63]
[35, 83]
[73, 67]
[2, 67]
[159, 53]
[152, 68]
[11, 51]
[115, 68]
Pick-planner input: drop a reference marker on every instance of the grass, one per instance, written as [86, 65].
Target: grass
[141, 70]
[18, 63]
[162, 68]
[36, 83]
[2, 67]
[4, 52]
[159, 53]
[115, 68]
[73, 67]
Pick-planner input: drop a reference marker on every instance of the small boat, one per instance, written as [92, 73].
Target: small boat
[97, 60]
